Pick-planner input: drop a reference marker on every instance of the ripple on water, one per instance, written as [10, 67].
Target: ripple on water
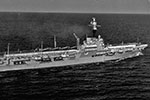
[128, 79]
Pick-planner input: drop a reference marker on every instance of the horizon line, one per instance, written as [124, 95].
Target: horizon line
[17, 11]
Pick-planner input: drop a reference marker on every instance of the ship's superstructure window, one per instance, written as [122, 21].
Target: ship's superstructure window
[99, 54]
[46, 59]
[58, 58]
[110, 53]
[19, 62]
[92, 50]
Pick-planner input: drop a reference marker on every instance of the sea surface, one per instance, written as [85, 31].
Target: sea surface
[26, 31]
[128, 79]
[125, 80]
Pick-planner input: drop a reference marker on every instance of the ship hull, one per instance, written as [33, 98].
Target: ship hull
[92, 50]
[75, 61]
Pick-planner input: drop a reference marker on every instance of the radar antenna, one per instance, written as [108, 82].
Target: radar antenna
[94, 26]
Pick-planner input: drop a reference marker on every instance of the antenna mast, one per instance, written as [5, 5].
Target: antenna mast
[94, 26]
[8, 48]
[55, 41]
[42, 45]
[78, 41]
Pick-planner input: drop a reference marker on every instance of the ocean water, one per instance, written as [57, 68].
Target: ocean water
[25, 31]
[128, 79]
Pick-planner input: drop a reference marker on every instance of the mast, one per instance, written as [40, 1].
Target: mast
[78, 41]
[8, 58]
[42, 45]
[54, 41]
[94, 26]
[8, 48]
[41, 49]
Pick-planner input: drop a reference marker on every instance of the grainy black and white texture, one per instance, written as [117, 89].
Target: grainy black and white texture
[25, 31]
[127, 79]
[77, 6]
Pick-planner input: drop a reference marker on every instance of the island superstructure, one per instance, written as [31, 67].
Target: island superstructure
[92, 50]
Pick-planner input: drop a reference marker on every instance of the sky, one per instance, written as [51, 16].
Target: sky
[77, 6]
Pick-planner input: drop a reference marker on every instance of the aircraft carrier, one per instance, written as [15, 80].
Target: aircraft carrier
[92, 50]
